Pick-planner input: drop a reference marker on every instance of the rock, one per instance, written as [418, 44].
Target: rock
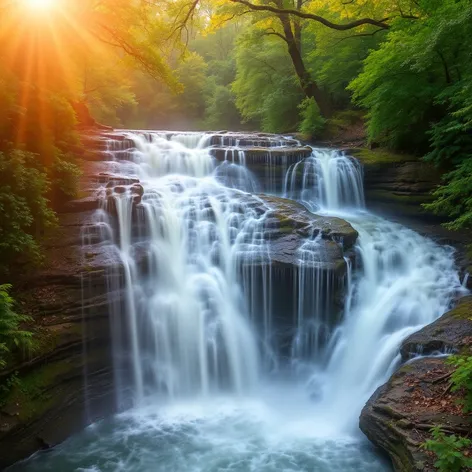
[68, 300]
[451, 332]
[400, 414]
[255, 156]
[119, 189]
[294, 216]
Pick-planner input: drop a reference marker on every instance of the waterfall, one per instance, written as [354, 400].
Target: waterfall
[187, 329]
[403, 282]
[228, 361]
[328, 180]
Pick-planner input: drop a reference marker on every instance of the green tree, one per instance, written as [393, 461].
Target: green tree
[266, 88]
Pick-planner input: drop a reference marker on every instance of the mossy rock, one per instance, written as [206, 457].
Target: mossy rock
[34, 393]
[379, 156]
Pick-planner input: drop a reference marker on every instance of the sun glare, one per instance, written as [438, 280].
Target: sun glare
[39, 4]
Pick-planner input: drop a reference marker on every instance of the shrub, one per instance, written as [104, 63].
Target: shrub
[11, 335]
[24, 208]
[311, 120]
[462, 379]
[449, 450]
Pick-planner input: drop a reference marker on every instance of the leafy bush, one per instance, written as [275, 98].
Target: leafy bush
[407, 83]
[65, 175]
[449, 450]
[454, 198]
[11, 335]
[221, 111]
[24, 208]
[311, 120]
[462, 379]
[451, 142]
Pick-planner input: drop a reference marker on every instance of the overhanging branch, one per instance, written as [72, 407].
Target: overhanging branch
[311, 16]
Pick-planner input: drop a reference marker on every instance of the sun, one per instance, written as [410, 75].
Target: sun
[39, 4]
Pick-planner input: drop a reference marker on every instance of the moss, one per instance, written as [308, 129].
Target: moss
[46, 341]
[405, 369]
[463, 310]
[380, 156]
[285, 229]
[33, 394]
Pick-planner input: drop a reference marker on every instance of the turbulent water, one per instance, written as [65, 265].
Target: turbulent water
[210, 388]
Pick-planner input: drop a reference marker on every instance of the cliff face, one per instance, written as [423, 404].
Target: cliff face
[45, 399]
[400, 414]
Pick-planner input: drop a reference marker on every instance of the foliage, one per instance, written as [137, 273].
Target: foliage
[454, 198]
[7, 386]
[403, 79]
[462, 379]
[265, 87]
[11, 335]
[449, 450]
[24, 207]
[312, 122]
[451, 143]
[221, 111]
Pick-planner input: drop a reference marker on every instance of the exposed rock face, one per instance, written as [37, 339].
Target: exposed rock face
[452, 332]
[49, 399]
[397, 181]
[399, 415]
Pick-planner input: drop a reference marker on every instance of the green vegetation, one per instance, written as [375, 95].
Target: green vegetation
[32, 394]
[449, 450]
[11, 334]
[462, 379]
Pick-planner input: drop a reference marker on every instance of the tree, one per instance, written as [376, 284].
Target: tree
[286, 19]
[266, 87]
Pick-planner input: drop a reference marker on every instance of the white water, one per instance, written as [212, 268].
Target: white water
[206, 396]
[328, 180]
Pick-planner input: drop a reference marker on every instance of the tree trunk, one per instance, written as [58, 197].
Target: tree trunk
[308, 85]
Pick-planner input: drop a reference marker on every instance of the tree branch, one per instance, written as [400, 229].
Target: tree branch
[360, 35]
[310, 16]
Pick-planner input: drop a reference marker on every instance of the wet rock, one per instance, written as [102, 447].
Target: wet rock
[451, 332]
[400, 414]
[294, 217]
[120, 189]
[112, 179]
[255, 156]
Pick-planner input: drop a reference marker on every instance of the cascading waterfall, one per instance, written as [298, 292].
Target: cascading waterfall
[326, 180]
[188, 333]
[196, 325]
[405, 282]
